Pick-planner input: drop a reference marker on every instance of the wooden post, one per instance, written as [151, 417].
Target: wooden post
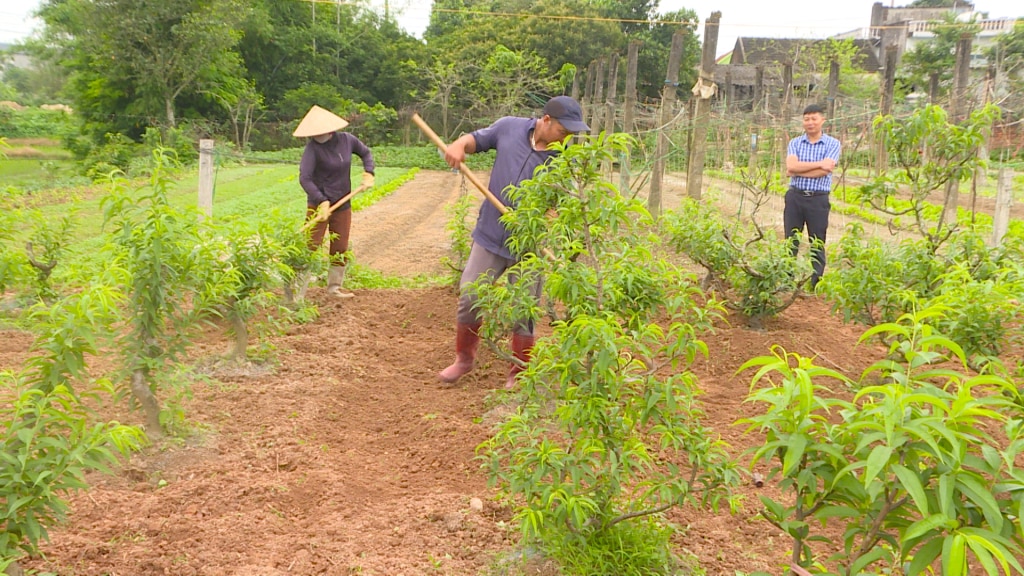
[628, 110]
[833, 87]
[787, 90]
[758, 88]
[961, 76]
[1004, 201]
[613, 80]
[888, 87]
[609, 114]
[205, 178]
[588, 90]
[597, 111]
[730, 91]
[575, 91]
[752, 161]
[981, 173]
[727, 148]
[702, 108]
[958, 106]
[668, 100]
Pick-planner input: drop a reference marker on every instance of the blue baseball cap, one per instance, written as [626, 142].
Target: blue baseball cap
[567, 111]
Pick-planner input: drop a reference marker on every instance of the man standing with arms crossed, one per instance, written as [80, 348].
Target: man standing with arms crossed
[810, 161]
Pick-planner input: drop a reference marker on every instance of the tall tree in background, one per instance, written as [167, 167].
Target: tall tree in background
[359, 55]
[485, 44]
[564, 31]
[633, 15]
[931, 63]
[144, 54]
[559, 31]
[657, 43]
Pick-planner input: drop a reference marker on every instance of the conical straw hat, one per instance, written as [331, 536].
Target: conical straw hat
[319, 121]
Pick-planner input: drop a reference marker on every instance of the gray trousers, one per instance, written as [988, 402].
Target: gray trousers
[481, 261]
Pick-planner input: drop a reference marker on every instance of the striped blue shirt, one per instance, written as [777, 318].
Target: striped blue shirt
[807, 151]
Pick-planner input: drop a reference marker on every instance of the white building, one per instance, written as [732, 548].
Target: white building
[904, 28]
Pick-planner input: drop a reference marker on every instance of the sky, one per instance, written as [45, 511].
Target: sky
[759, 18]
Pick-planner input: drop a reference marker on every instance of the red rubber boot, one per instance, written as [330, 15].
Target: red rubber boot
[466, 341]
[521, 347]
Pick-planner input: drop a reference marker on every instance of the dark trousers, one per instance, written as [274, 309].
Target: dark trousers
[811, 211]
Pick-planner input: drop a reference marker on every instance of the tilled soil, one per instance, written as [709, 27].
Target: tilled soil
[347, 456]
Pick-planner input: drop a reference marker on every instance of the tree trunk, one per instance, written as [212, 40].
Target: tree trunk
[241, 332]
[145, 397]
[169, 105]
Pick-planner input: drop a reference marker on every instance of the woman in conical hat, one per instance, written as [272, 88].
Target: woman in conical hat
[325, 175]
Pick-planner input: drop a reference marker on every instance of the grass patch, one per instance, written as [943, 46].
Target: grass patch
[36, 170]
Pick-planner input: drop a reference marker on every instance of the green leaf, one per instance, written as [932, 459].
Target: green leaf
[922, 527]
[954, 556]
[877, 460]
[947, 484]
[924, 556]
[982, 497]
[794, 454]
[912, 484]
[984, 556]
[867, 559]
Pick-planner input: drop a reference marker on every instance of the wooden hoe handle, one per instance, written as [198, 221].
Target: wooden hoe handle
[335, 206]
[462, 165]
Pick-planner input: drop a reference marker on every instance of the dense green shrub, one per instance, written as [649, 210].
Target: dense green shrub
[875, 282]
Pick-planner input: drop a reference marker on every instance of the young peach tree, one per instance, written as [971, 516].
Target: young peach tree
[607, 436]
[170, 284]
[875, 281]
[751, 267]
[928, 153]
[252, 261]
[920, 470]
[48, 440]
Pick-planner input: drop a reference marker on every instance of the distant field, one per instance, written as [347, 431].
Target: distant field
[35, 163]
[247, 192]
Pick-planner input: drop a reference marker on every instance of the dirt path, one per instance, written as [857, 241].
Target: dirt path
[404, 235]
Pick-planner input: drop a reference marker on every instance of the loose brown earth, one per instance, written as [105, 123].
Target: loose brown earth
[350, 458]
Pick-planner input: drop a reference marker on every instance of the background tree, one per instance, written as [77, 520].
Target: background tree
[509, 79]
[151, 51]
[931, 63]
[559, 31]
[1008, 56]
[657, 42]
[285, 49]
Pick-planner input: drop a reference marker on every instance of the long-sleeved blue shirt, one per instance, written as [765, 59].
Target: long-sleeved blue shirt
[325, 169]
